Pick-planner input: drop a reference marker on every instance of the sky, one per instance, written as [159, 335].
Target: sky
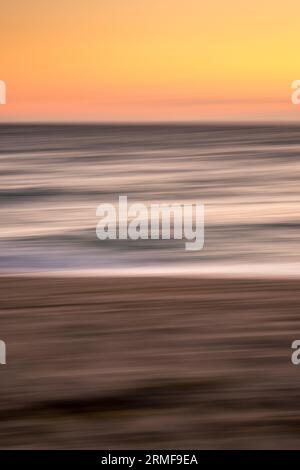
[149, 60]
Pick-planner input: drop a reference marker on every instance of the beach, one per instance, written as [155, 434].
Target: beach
[149, 362]
[142, 344]
[150, 230]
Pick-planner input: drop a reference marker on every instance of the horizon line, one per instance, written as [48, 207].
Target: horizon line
[154, 123]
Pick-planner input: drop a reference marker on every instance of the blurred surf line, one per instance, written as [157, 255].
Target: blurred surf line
[54, 176]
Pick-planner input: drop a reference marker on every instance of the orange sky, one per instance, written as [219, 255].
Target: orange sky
[115, 60]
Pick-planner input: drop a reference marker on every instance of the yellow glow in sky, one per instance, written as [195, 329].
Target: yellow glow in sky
[115, 60]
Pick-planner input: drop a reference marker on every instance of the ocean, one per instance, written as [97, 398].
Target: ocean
[53, 177]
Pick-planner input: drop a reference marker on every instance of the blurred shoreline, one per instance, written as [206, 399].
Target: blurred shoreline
[141, 344]
[279, 272]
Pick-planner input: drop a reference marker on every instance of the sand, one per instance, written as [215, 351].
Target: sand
[150, 363]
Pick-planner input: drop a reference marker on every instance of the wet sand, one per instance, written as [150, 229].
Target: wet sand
[155, 363]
